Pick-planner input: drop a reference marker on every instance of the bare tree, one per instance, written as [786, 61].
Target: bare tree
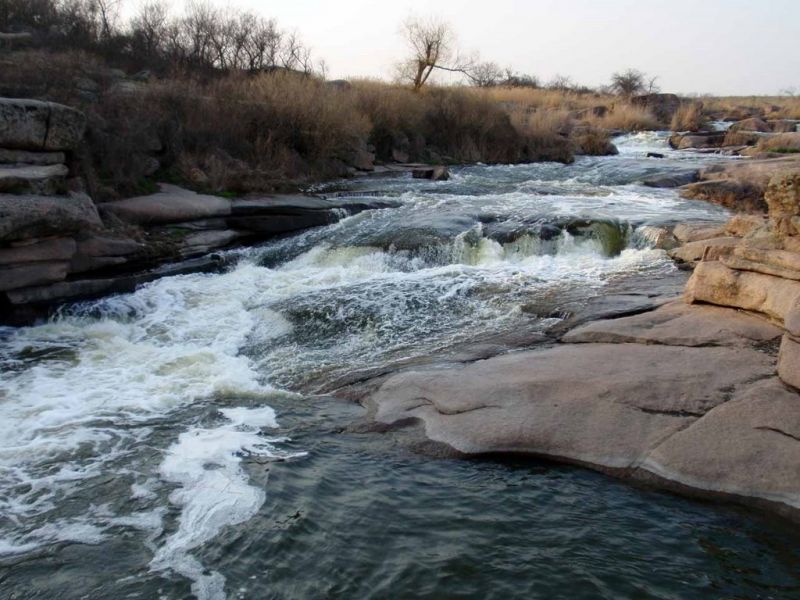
[486, 74]
[431, 45]
[632, 82]
[562, 83]
[149, 28]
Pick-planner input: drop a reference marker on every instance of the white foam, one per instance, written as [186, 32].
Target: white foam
[214, 491]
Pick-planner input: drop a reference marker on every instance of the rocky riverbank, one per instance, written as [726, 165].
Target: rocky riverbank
[698, 395]
[58, 245]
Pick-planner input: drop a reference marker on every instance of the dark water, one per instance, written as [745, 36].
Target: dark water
[170, 443]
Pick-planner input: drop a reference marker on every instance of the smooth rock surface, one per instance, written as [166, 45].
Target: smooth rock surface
[679, 324]
[171, 205]
[38, 273]
[32, 179]
[706, 249]
[748, 447]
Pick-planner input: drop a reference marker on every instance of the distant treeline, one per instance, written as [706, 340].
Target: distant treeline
[204, 37]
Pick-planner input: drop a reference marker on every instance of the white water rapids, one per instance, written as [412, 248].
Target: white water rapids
[167, 390]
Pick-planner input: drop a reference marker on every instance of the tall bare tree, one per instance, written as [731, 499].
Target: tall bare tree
[431, 46]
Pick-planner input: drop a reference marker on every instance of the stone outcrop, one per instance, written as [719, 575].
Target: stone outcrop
[663, 106]
[640, 397]
[39, 126]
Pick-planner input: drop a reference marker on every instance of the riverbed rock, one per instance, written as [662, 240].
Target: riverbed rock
[705, 249]
[438, 173]
[780, 263]
[672, 180]
[747, 448]
[39, 126]
[716, 283]
[740, 196]
[783, 126]
[690, 232]
[696, 141]
[742, 225]
[25, 217]
[679, 324]
[751, 124]
[171, 204]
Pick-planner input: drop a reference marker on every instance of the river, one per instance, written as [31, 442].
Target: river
[179, 441]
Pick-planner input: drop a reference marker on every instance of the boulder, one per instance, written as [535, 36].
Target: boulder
[681, 141]
[203, 242]
[671, 181]
[744, 138]
[715, 283]
[39, 126]
[59, 249]
[789, 361]
[32, 179]
[679, 324]
[25, 217]
[751, 124]
[31, 158]
[739, 196]
[438, 173]
[171, 205]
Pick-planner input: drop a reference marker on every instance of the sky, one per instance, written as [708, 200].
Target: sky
[724, 47]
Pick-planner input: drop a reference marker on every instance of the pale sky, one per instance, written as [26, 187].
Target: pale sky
[727, 47]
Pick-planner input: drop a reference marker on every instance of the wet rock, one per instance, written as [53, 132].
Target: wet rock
[171, 205]
[438, 173]
[715, 283]
[205, 241]
[681, 141]
[25, 217]
[655, 155]
[671, 181]
[35, 125]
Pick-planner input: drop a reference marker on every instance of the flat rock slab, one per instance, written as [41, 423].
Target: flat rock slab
[618, 408]
[679, 324]
[171, 205]
[31, 158]
[45, 250]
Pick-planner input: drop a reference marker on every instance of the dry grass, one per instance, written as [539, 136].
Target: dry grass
[689, 117]
[625, 117]
[783, 142]
[742, 107]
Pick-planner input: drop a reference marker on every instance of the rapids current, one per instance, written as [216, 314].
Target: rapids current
[137, 431]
